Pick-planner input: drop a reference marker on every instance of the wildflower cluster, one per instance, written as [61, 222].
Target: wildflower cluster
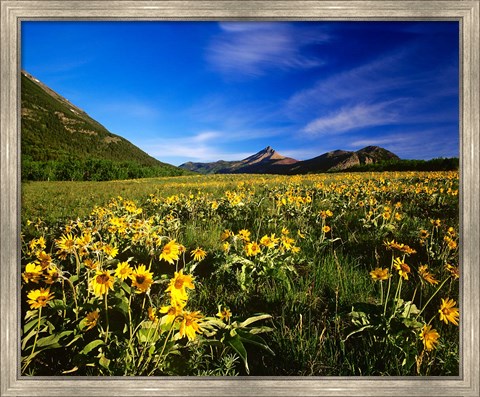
[350, 265]
[113, 311]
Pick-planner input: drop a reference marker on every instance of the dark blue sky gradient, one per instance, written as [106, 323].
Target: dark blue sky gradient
[204, 91]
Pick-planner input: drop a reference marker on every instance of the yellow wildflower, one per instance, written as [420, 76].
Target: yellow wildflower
[170, 252]
[141, 278]
[123, 270]
[32, 273]
[38, 298]
[91, 319]
[178, 285]
[198, 254]
[101, 283]
[379, 274]
[429, 337]
[252, 249]
[449, 313]
[190, 325]
[402, 267]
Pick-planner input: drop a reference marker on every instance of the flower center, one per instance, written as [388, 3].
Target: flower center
[140, 279]
[103, 278]
[178, 283]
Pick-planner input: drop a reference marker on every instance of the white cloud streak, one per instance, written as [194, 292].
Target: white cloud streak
[252, 49]
[205, 146]
[365, 81]
[351, 118]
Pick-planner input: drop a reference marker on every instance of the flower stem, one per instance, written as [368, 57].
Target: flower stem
[435, 293]
[29, 359]
[106, 316]
[388, 289]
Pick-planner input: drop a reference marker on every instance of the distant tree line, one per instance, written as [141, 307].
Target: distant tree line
[438, 164]
[91, 170]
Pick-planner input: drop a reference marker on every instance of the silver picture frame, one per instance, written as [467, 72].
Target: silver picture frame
[14, 12]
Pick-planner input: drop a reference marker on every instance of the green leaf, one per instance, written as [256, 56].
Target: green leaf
[237, 345]
[50, 341]
[256, 340]
[28, 337]
[126, 287]
[74, 369]
[410, 309]
[122, 304]
[77, 337]
[92, 345]
[260, 330]
[251, 320]
[357, 331]
[30, 314]
[28, 326]
[57, 304]
[104, 362]
[148, 334]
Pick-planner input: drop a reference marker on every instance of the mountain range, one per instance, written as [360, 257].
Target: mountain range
[269, 161]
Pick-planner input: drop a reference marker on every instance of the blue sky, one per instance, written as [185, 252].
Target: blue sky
[205, 91]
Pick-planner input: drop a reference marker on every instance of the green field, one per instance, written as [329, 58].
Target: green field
[338, 274]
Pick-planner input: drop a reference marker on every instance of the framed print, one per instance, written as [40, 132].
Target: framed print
[242, 198]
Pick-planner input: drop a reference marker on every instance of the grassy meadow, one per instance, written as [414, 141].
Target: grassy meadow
[224, 275]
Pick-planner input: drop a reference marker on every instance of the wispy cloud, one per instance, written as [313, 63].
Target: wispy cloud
[360, 83]
[252, 49]
[351, 118]
[205, 146]
[373, 80]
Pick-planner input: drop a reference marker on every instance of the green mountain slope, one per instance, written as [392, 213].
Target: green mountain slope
[54, 130]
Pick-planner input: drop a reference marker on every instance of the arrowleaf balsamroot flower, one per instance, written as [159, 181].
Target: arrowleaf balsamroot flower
[44, 259]
[32, 273]
[177, 288]
[402, 267]
[198, 254]
[170, 252]
[171, 312]
[38, 298]
[453, 270]
[379, 274]
[429, 337]
[269, 241]
[66, 243]
[190, 326]
[142, 279]
[123, 270]
[52, 275]
[448, 311]
[426, 275]
[244, 235]
[224, 313]
[110, 251]
[252, 249]
[91, 319]
[152, 314]
[102, 282]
